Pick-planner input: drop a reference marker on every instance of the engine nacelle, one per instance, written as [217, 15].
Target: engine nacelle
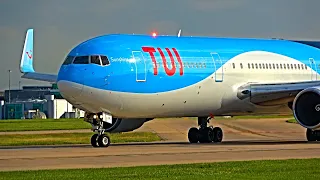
[124, 125]
[306, 108]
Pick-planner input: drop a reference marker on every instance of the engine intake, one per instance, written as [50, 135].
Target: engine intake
[306, 108]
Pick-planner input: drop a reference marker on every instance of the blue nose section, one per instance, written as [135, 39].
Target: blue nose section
[70, 81]
[71, 73]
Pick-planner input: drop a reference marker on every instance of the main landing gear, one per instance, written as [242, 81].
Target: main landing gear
[205, 134]
[100, 139]
[313, 135]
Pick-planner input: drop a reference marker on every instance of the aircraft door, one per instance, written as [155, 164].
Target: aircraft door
[314, 69]
[141, 74]
[218, 66]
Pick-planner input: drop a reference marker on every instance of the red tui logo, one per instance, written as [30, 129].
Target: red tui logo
[29, 55]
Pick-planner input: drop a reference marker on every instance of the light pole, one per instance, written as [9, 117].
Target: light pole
[9, 86]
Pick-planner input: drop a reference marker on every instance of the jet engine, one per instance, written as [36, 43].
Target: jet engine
[124, 125]
[306, 108]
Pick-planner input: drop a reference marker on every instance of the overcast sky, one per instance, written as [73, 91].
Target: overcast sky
[59, 25]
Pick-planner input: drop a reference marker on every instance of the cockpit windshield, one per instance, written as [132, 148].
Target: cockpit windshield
[94, 59]
[68, 60]
[105, 60]
[81, 60]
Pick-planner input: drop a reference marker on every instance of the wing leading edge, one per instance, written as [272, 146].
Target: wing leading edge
[273, 94]
[26, 62]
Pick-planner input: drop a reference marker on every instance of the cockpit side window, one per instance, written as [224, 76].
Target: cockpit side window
[95, 60]
[68, 60]
[81, 60]
[104, 60]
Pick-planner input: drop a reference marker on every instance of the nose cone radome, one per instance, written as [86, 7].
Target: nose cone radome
[70, 82]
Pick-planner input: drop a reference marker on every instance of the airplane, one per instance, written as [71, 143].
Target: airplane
[122, 81]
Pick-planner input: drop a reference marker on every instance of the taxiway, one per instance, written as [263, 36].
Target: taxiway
[250, 139]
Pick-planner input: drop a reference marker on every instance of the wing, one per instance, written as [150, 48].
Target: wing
[273, 94]
[26, 62]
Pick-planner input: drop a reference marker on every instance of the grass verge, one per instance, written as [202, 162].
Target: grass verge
[256, 117]
[292, 121]
[238, 117]
[42, 124]
[71, 124]
[73, 138]
[266, 169]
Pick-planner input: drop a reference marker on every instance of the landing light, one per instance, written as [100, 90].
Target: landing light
[154, 34]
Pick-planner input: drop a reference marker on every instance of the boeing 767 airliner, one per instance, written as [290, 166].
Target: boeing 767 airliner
[123, 81]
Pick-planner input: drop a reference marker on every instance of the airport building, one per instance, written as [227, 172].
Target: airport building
[36, 102]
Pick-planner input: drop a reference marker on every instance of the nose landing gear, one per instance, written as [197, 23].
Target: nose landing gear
[100, 139]
[205, 134]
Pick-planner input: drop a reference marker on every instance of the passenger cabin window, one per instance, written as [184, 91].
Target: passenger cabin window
[81, 60]
[104, 60]
[95, 60]
[68, 60]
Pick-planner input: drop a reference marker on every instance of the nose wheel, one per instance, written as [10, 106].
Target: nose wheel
[97, 122]
[205, 134]
[102, 140]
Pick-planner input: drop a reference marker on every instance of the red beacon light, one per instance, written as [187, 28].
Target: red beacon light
[154, 34]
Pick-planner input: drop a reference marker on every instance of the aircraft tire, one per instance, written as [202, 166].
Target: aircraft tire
[310, 135]
[218, 134]
[94, 140]
[103, 140]
[193, 135]
[206, 135]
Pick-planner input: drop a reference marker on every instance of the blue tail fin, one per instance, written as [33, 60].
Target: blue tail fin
[26, 63]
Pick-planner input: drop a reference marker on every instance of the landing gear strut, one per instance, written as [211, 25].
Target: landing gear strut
[100, 139]
[313, 135]
[205, 134]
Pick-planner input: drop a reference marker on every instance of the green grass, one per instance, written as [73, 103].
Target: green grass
[256, 117]
[42, 124]
[292, 121]
[239, 117]
[73, 138]
[71, 124]
[271, 169]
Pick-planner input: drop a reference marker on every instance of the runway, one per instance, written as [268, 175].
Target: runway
[244, 140]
